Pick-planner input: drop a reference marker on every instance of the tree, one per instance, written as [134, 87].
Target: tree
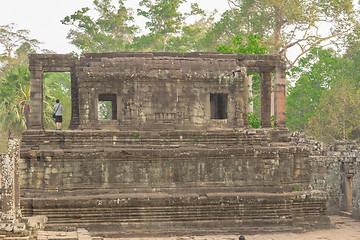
[252, 45]
[338, 113]
[222, 32]
[284, 24]
[14, 44]
[190, 36]
[15, 100]
[164, 21]
[318, 73]
[110, 32]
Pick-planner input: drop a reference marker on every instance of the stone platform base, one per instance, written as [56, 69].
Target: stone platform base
[159, 214]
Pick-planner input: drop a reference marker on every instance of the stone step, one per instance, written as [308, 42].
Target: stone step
[162, 213]
[78, 234]
[138, 139]
[86, 219]
[16, 238]
[178, 229]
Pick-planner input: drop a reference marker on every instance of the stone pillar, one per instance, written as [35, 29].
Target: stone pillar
[241, 100]
[10, 184]
[265, 102]
[279, 97]
[36, 97]
[75, 120]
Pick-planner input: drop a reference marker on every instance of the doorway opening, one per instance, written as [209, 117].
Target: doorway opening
[56, 85]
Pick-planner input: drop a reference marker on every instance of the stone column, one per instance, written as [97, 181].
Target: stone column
[75, 121]
[10, 184]
[241, 100]
[265, 102]
[36, 97]
[279, 97]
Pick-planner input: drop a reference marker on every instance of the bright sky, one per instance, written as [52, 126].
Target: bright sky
[42, 18]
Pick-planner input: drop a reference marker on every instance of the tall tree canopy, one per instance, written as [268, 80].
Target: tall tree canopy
[165, 21]
[338, 113]
[327, 85]
[111, 31]
[15, 45]
[284, 24]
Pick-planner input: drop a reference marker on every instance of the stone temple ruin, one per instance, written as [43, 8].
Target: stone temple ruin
[177, 155]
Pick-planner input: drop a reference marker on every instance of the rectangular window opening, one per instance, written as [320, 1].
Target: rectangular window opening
[107, 108]
[218, 105]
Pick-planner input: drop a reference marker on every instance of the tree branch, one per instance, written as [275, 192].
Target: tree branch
[310, 46]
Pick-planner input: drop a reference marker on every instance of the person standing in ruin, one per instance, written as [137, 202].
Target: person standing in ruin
[58, 108]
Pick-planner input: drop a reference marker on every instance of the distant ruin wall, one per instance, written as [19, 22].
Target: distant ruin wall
[335, 169]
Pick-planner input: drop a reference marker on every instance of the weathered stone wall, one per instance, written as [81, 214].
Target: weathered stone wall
[160, 91]
[335, 169]
[178, 161]
[10, 182]
[345, 159]
[165, 180]
[167, 90]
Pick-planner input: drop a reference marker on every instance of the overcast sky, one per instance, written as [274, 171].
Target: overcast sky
[42, 18]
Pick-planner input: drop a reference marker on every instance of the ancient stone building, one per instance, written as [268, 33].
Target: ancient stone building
[176, 155]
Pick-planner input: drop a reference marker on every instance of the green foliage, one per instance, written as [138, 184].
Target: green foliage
[190, 36]
[252, 45]
[56, 86]
[222, 32]
[11, 39]
[314, 76]
[254, 120]
[283, 24]
[338, 114]
[168, 30]
[325, 100]
[15, 100]
[163, 15]
[16, 45]
[111, 31]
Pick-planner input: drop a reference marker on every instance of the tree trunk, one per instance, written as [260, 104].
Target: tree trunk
[165, 39]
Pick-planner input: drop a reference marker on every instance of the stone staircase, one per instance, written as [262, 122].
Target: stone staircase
[142, 139]
[134, 215]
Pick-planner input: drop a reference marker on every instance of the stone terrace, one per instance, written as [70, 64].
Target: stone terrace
[176, 154]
